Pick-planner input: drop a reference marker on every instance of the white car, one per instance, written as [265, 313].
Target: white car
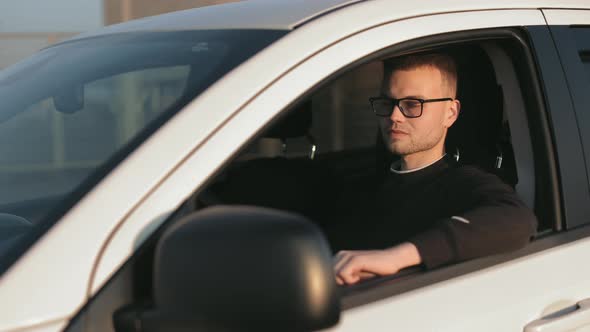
[115, 145]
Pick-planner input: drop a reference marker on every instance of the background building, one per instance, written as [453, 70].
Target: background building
[116, 11]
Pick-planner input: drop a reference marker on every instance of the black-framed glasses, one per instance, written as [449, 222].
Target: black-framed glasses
[410, 107]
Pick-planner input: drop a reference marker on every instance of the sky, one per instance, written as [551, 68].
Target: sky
[50, 15]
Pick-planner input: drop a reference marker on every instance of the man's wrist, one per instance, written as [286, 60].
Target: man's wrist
[404, 255]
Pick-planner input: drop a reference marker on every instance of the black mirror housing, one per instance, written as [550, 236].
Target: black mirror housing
[243, 268]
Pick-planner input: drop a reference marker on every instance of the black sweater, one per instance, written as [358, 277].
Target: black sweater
[449, 212]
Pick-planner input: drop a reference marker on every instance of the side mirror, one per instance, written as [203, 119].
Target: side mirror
[241, 269]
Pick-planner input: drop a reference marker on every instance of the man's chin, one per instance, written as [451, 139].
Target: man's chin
[399, 149]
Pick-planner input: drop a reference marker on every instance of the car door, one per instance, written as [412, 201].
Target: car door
[501, 295]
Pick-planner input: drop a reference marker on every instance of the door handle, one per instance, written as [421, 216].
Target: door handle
[568, 319]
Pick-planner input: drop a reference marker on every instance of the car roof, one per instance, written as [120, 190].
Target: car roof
[289, 14]
[249, 14]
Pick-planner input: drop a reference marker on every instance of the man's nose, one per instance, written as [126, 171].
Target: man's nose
[396, 115]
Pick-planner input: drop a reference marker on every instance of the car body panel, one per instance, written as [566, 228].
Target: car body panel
[566, 17]
[504, 297]
[47, 326]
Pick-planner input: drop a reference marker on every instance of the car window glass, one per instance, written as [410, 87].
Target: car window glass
[573, 47]
[59, 149]
[73, 111]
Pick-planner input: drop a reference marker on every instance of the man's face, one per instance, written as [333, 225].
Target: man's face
[406, 136]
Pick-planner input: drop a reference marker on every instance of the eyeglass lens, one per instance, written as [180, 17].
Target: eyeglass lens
[409, 107]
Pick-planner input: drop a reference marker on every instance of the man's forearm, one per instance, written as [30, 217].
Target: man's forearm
[486, 230]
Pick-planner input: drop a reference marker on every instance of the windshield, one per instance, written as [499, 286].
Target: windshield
[71, 112]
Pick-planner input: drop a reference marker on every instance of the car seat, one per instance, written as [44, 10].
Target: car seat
[480, 134]
[299, 185]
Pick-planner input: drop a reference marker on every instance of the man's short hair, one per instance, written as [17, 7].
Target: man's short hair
[443, 62]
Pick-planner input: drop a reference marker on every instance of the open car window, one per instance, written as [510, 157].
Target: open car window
[323, 156]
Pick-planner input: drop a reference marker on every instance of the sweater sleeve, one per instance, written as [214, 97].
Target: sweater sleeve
[489, 219]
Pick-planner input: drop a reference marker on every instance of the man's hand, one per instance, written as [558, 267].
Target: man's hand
[353, 266]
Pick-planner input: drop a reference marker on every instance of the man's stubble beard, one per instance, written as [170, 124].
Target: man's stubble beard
[410, 145]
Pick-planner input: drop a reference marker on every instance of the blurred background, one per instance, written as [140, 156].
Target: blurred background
[29, 25]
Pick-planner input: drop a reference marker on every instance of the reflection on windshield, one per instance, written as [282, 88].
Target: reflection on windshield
[67, 111]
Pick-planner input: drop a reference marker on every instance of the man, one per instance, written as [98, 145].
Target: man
[433, 211]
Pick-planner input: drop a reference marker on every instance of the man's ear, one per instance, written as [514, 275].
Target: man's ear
[452, 113]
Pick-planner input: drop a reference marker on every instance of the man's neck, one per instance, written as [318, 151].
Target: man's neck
[420, 159]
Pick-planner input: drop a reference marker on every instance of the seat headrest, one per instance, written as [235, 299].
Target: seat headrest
[478, 127]
[296, 123]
